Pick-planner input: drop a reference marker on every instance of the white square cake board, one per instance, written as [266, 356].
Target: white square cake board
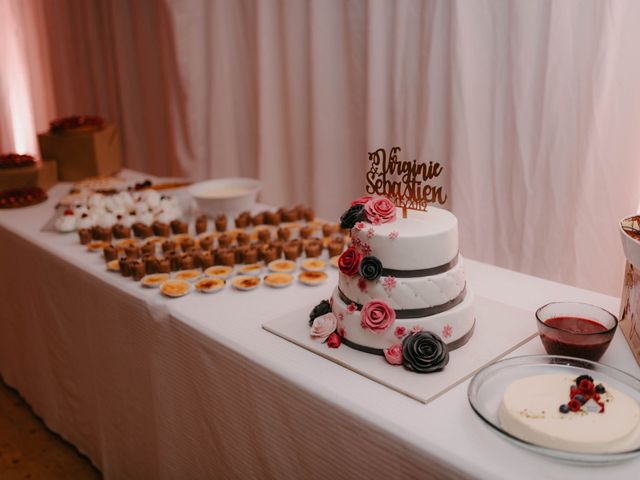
[499, 330]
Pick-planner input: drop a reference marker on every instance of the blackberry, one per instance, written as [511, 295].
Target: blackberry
[563, 408]
[583, 377]
[600, 388]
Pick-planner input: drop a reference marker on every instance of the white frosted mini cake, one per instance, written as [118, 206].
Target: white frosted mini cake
[572, 414]
[402, 291]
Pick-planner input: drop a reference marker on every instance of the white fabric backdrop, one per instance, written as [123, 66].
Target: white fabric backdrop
[532, 107]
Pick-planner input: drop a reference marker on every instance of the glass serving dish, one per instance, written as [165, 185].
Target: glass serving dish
[488, 385]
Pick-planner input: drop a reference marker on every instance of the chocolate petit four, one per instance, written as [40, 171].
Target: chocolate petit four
[131, 251]
[168, 245]
[164, 265]
[242, 220]
[85, 236]
[204, 259]
[309, 214]
[221, 223]
[120, 231]
[335, 248]
[125, 270]
[151, 264]
[224, 241]
[257, 219]
[178, 226]
[264, 235]
[306, 232]
[110, 253]
[148, 248]
[186, 262]
[291, 252]
[187, 244]
[225, 257]
[201, 224]
[272, 218]
[161, 229]
[243, 238]
[313, 249]
[284, 233]
[250, 255]
[290, 215]
[206, 243]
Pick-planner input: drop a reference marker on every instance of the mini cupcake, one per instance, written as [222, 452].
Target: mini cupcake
[257, 219]
[291, 252]
[284, 234]
[242, 220]
[178, 226]
[225, 257]
[186, 262]
[84, 235]
[243, 238]
[161, 229]
[313, 249]
[137, 269]
[110, 253]
[164, 265]
[204, 260]
[309, 214]
[250, 255]
[125, 270]
[151, 264]
[168, 245]
[264, 235]
[206, 244]
[306, 232]
[224, 241]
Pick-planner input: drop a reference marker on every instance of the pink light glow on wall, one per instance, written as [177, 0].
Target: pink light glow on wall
[17, 125]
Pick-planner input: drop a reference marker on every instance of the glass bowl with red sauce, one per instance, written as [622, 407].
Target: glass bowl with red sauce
[576, 329]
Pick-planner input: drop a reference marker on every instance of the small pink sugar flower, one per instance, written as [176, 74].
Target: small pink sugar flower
[359, 226]
[394, 234]
[389, 283]
[366, 248]
[416, 329]
[400, 332]
[447, 331]
[376, 221]
[393, 354]
[351, 308]
[370, 232]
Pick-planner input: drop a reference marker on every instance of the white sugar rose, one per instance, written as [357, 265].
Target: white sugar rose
[323, 326]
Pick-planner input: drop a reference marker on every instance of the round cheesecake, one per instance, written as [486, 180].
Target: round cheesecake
[530, 411]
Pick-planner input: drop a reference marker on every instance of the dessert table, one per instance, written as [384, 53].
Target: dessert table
[150, 387]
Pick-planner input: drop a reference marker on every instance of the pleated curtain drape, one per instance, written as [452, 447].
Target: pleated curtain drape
[531, 107]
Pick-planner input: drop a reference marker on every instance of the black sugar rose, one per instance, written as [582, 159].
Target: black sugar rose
[321, 309]
[424, 352]
[354, 214]
[370, 268]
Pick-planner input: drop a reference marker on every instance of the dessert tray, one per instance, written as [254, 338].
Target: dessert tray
[486, 390]
[499, 329]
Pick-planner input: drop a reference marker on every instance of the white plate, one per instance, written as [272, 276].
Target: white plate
[312, 282]
[309, 267]
[254, 269]
[193, 271]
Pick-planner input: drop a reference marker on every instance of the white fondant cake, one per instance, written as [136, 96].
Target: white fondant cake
[399, 277]
[530, 411]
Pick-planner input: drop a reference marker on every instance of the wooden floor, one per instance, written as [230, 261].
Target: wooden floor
[28, 450]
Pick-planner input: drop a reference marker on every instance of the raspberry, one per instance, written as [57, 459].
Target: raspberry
[574, 405]
[573, 391]
[601, 407]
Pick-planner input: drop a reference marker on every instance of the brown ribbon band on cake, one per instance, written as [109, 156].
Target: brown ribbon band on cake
[379, 351]
[416, 312]
[424, 272]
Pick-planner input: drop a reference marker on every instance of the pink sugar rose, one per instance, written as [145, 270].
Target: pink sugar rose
[400, 332]
[380, 210]
[323, 326]
[377, 316]
[393, 354]
[334, 340]
[361, 201]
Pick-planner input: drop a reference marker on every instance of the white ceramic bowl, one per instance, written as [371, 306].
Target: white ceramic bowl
[225, 195]
[630, 246]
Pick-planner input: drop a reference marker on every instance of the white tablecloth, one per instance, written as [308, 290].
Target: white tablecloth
[193, 388]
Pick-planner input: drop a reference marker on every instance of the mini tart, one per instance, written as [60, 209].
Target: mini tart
[278, 280]
[220, 271]
[234, 233]
[282, 266]
[290, 225]
[126, 242]
[208, 236]
[210, 285]
[316, 224]
[175, 288]
[154, 239]
[113, 266]
[189, 275]
[314, 265]
[245, 282]
[181, 237]
[250, 269]
[312, 278]
[97, 245]
[334, 261]
[154, 280]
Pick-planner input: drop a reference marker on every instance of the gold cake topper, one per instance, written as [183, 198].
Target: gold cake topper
[403, 181]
